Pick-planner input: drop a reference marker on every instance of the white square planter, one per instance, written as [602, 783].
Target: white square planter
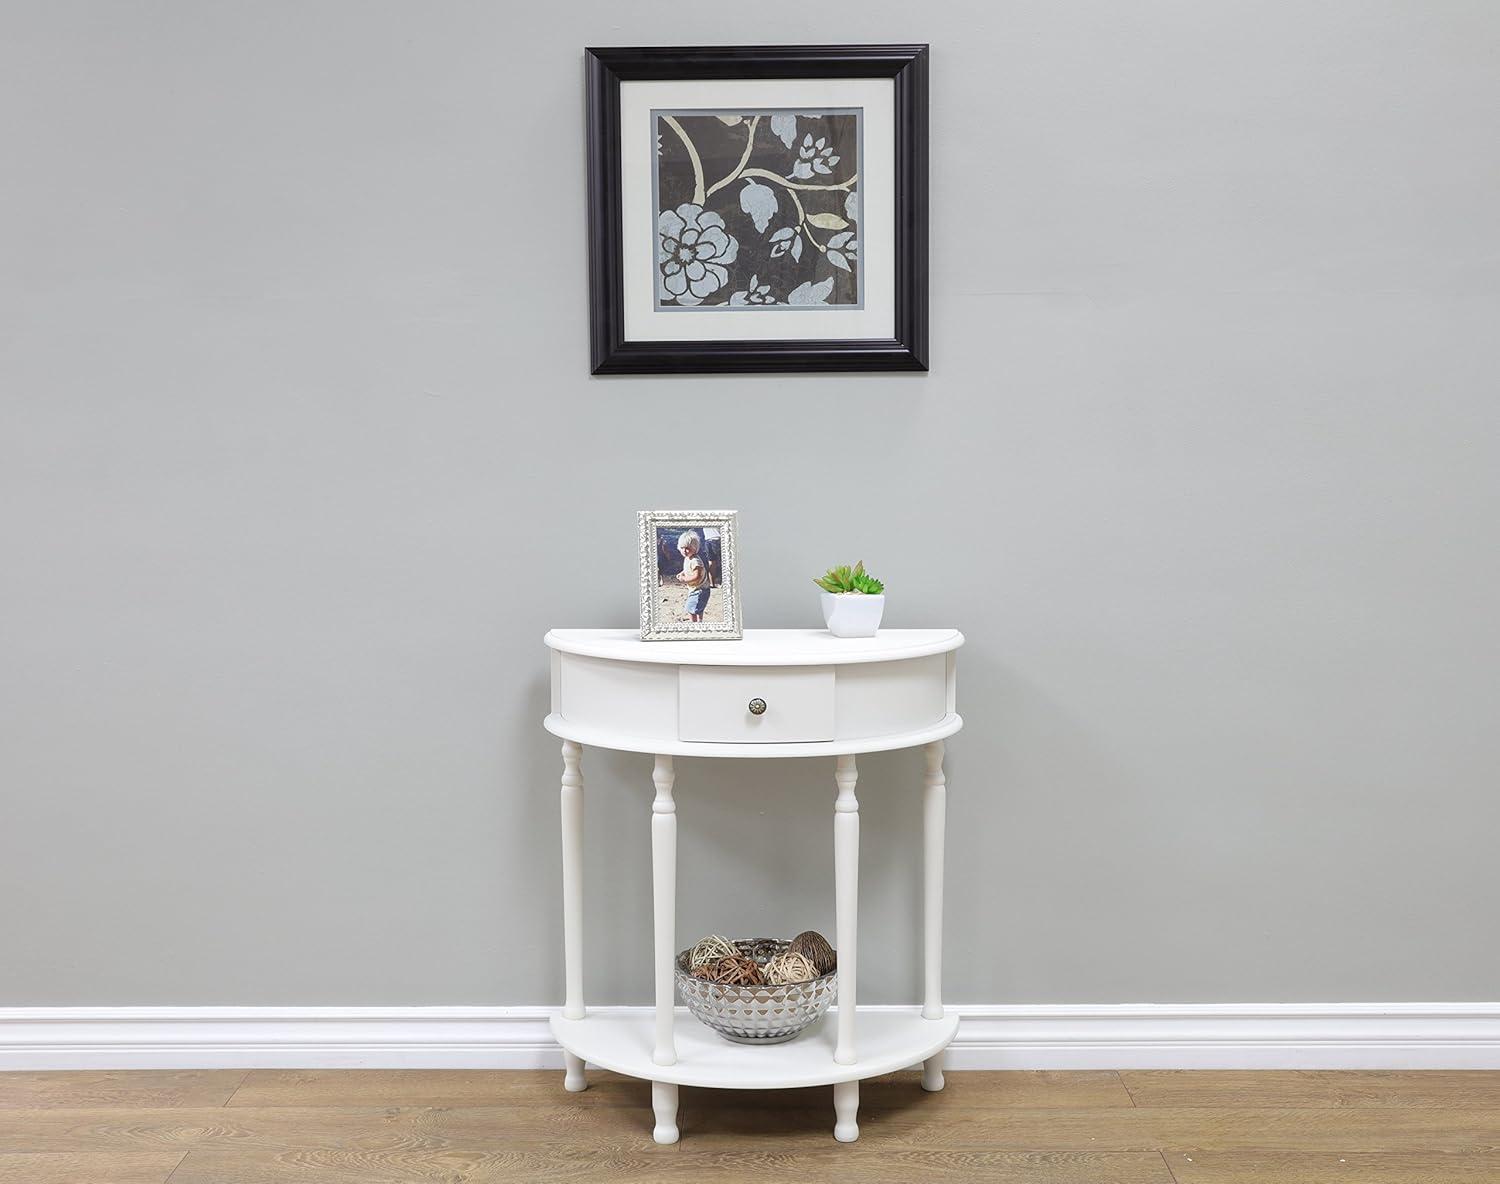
[852, 614]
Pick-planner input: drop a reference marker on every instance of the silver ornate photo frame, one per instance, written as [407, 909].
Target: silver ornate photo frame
[690, 580]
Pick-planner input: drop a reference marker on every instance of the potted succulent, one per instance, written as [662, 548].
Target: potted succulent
[853, 601]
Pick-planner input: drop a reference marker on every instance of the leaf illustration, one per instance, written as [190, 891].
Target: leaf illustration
[784, 127]
[837, 258]
[827, 221]
[851, 206]
[797, 248]
[811, 293]
[759, 201]
[730, 120]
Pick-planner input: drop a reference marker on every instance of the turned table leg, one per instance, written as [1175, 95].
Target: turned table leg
[845, 1107]
[934, 806]
[934, 810]
[935, 796]
[664, 1107]
[846, 904]
[664, 893]
[572, 863]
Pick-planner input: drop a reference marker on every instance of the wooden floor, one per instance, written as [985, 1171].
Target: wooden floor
[273, 1127]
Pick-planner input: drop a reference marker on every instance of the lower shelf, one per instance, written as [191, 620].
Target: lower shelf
[884, 1041]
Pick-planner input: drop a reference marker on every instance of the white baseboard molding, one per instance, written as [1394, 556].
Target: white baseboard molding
[998, 1036]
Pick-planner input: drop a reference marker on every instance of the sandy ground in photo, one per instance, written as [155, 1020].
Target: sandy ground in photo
[672, 596]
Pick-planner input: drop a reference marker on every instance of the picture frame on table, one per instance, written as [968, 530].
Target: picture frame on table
[689, 575]
[757, 209]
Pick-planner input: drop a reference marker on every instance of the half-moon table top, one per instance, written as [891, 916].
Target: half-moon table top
[760, 647]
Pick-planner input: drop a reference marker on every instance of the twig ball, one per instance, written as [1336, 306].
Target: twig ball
[710, 951]
[739, 970]
[761, 948]
[815, 948]
[789, 968]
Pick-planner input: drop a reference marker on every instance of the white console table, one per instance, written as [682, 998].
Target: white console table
[777, 693]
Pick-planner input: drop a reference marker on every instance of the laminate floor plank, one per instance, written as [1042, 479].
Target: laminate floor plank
[1006, 1089]
[289, 1128]
[1142, 1129]
[150, 1089]
[64, 1168]
[1462, 1090]
[307, 1088]
[1301, 1167]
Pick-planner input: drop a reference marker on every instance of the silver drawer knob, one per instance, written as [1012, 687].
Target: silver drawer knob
[757, 707]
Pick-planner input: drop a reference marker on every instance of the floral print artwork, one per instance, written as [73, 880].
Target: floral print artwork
[757, 209]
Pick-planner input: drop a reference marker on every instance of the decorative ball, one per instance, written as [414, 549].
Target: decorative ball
[761, 948]
[789, 968]
[708, 971]
[738, 970]
[815, 948]
[710, 951]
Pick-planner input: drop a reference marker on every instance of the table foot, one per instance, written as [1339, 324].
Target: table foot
[573, 1079]
[664, 1106]
[845, 1107]
[932, 1073]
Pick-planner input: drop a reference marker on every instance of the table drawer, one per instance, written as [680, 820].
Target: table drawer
[714, 704]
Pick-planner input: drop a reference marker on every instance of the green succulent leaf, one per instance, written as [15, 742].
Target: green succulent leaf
[844, 579]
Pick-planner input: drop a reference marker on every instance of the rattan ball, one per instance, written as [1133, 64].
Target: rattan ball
[708, 971]
[711, 951]
[761, 948]
[815, 948]
[789, 968]
[738, 970]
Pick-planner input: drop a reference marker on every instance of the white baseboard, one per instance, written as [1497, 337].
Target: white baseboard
[998, 1036]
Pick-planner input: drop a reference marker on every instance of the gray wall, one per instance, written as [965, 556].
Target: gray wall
[300, 459]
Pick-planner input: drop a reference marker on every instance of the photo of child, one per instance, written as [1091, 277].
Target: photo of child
[690, 580]
[689, 570]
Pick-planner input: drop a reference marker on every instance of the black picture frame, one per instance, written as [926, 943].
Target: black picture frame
[607, 68]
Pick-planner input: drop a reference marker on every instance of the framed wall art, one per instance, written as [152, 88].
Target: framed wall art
[758, 208]
[690, 587]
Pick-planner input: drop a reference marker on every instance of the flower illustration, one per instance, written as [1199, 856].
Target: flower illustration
[757, 293]
[693, 251]
[813, 158]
